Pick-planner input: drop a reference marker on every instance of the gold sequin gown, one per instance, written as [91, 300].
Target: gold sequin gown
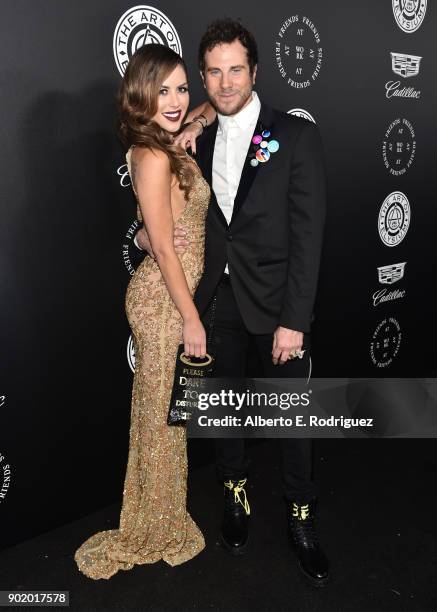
[154, 522]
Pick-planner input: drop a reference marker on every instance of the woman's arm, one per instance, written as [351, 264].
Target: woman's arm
[205, 109]
[151, 177]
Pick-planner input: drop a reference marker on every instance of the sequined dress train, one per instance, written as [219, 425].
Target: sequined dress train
[154, 522]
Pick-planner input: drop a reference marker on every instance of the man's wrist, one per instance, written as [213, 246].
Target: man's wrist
[295, 323]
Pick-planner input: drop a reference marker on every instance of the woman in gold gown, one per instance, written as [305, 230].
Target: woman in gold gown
[169, 187]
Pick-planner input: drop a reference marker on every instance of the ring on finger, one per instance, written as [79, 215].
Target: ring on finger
[297, 353]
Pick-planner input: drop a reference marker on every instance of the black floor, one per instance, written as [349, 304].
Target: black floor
[377, 523]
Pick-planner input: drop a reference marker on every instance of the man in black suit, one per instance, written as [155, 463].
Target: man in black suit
[263, 242]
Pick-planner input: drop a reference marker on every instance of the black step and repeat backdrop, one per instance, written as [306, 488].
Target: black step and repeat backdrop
[363, 71]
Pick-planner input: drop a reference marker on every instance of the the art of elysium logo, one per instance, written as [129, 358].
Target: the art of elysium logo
[298, 51]
[399, 146]
[5, 477]
[386, 340]
[301, 112]
[142, 25]
[394, 218]
[409, 14]
[130, 352]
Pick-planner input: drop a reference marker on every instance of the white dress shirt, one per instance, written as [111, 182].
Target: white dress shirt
[231, 146]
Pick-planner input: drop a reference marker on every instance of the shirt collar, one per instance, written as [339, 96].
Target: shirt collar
[245, 117]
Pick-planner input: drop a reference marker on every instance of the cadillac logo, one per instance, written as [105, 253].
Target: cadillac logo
[388, 275]
[405, 65]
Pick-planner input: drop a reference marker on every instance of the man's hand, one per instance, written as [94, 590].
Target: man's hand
[285, 341]
[179, 240]
[187, 138]
[143, 242]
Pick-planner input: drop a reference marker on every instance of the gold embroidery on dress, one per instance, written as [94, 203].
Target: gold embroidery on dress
[154, 522]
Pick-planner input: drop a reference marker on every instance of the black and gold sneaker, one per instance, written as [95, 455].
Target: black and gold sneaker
[234, 533]
[311, 559]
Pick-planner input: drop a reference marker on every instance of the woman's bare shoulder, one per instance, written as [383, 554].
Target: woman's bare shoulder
[149, 155]
[150, 162]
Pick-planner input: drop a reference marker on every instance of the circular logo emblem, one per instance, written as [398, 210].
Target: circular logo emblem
[394, 218]
[298, 52]
[142, 25]
[301, 112]
[129, 250]
[399, 146]
[5, 477]
[131, 353]
[385, 342]
[409, 14]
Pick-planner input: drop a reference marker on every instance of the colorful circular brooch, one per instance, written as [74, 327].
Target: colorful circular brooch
[266, 147]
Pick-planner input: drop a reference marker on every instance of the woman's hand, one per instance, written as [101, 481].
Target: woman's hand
[187, 138]
[194, 337]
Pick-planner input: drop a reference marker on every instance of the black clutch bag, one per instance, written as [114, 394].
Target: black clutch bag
[188, 376]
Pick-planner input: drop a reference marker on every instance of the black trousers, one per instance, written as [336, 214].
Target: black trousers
[233, 346]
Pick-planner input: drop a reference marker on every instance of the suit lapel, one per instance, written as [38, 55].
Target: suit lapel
[205, 157]
[205, 151]
[249, 172]
[204, 160]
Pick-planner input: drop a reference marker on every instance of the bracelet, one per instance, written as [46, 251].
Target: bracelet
[197, 118]
[206, 120]
[198, 121]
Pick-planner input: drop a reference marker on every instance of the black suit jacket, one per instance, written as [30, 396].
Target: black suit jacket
[274, 240]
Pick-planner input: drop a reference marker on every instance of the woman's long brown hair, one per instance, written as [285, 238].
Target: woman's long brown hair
[138, 102]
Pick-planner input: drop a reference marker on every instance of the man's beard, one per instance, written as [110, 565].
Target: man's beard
[238, 105]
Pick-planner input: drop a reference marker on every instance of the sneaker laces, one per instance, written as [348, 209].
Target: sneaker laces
[300, 512]
[239, 488]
